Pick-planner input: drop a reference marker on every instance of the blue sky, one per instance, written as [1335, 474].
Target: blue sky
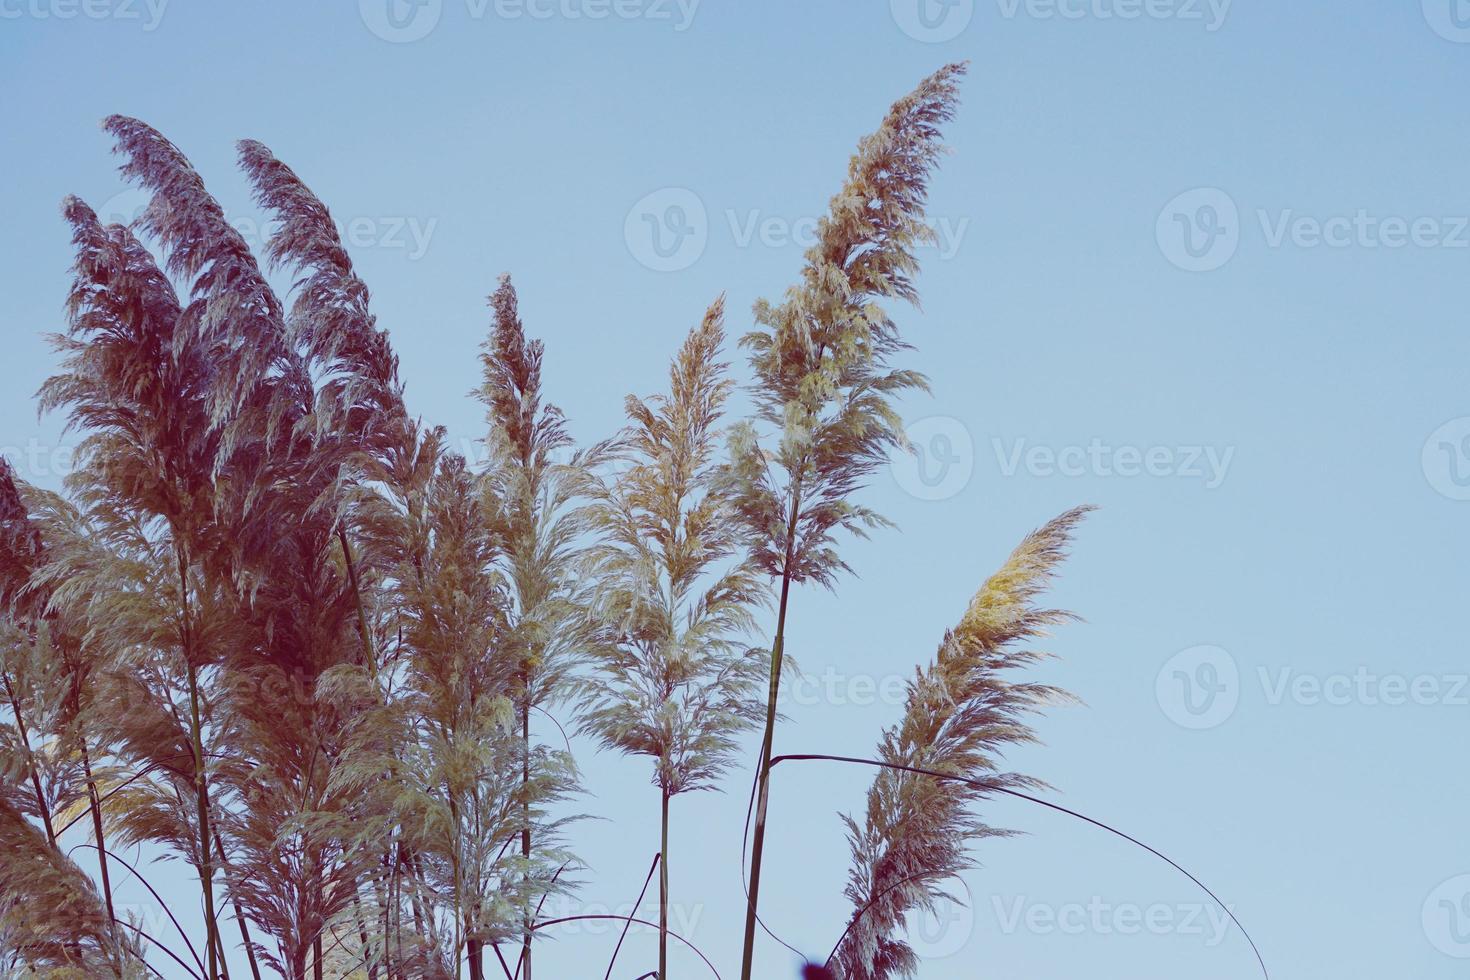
[1203, 265]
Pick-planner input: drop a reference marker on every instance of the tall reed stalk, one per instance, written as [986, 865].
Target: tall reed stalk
[824, 384]
[671, 678]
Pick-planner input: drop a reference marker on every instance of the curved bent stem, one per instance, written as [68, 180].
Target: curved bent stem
[857, 916]
[653, 867]
[170, 953]
[559, 728]
[524, 961]
[151, 767]
[161, 904]
[628, 918]
[982, 784]
[744, 842]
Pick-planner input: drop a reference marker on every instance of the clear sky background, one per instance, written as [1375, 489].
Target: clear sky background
[1261, 382]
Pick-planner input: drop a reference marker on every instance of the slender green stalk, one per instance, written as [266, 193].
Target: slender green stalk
[25, 741]
[219, 849]
[95, 805]
[461, 921]
[362, 937]
[526, 809]
[219, 947]
[778, 648]
[368, 650]
[663, 895]
[476, 951]
[41, 806]
[201, 784]
[673, 677]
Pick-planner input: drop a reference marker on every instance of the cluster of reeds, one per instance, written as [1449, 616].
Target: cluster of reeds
[276, 628]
